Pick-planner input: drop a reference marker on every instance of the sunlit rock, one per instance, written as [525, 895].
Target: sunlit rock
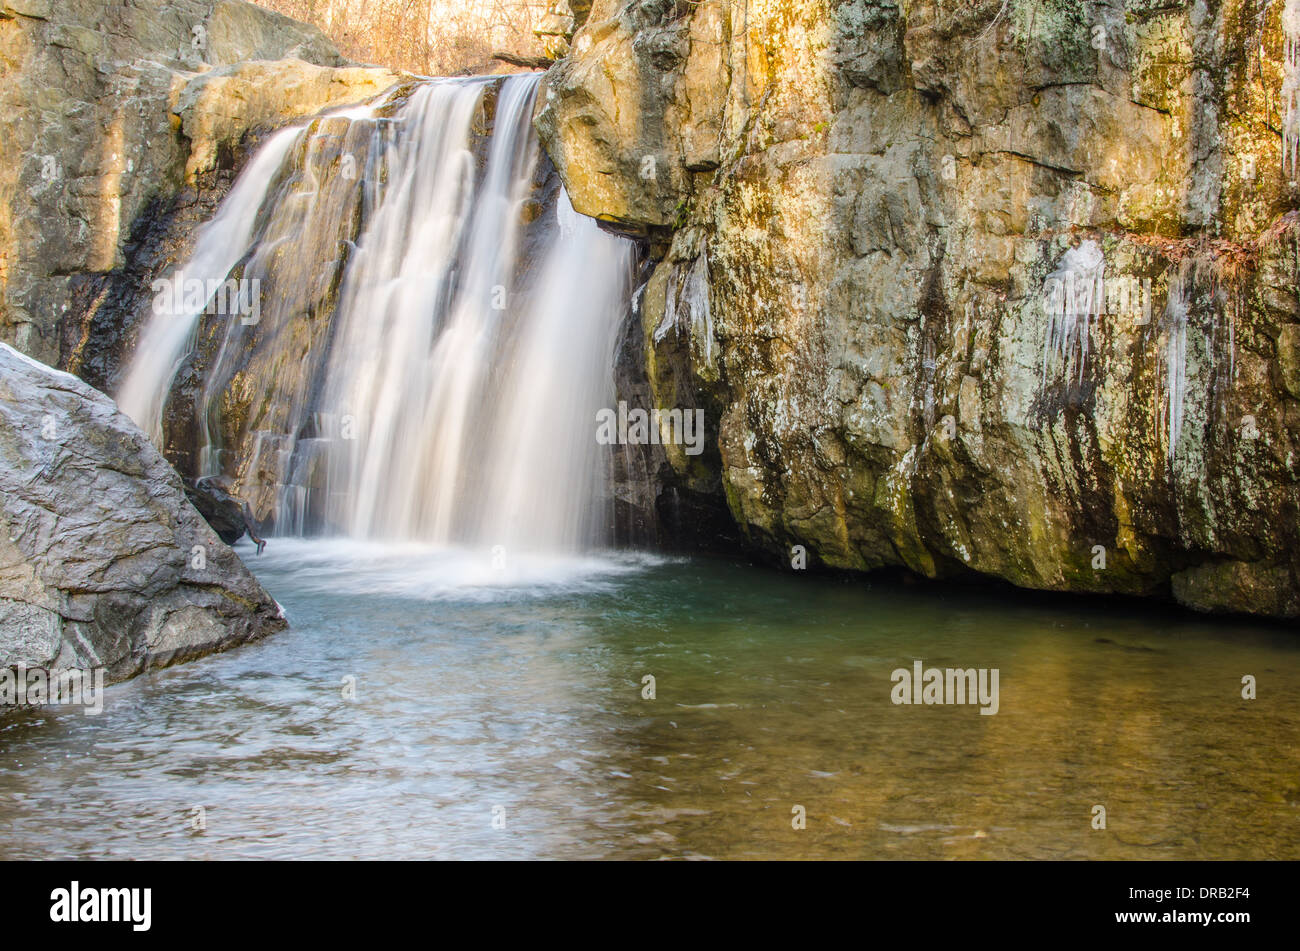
[889, 375]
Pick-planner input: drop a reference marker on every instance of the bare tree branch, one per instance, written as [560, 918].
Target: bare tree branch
[528, 62]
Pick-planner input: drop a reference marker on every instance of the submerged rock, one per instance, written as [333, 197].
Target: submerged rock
[103, 562]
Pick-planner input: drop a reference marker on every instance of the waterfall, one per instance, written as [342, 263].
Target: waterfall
[434, 334]
[219, 246]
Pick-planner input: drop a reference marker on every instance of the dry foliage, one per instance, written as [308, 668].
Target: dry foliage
[1229, 262]
[429, 37]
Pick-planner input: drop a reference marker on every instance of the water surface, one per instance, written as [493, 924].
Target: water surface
[514, 692]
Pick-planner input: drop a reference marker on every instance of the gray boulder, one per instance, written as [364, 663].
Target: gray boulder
[103, 561]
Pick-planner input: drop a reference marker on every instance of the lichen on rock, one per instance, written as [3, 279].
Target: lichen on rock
[884, 190]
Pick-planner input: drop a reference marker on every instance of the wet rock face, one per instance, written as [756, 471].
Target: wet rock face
[995, 288]
[103, 562]
[120, 120]
[655, 502]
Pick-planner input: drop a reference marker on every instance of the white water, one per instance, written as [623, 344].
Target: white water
[473, 401]
[428, 572]
[221, 243]
[544, 465]
[453, 400]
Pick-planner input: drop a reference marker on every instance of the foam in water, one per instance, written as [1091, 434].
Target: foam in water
[421, 571]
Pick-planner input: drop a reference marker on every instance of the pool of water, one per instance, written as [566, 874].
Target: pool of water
[448, 704]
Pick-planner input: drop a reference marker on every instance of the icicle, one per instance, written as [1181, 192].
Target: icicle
[668, 322]
[1175, 327]
[686, 308]
[1290, 86]
[696, 290]
[1073, 295]
[1231, 342]
[1232, 336]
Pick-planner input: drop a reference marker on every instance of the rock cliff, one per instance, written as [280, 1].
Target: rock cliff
[123, 122]
[994, 287]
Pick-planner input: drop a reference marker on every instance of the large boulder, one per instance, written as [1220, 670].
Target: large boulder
[103, 562]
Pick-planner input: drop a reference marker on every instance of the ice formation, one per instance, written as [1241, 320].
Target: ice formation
[1073, 296]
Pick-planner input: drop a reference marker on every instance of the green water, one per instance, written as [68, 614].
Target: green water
[500, 714]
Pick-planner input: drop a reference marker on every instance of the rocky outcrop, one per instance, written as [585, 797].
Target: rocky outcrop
[103, 562]
[220, 509]
[562, 19]
[122, 122]
[1005, 287]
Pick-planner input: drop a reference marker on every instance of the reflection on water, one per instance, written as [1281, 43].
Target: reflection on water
[518, 684]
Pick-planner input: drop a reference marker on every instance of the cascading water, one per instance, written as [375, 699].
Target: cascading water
[219, 246]
[435, 337]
